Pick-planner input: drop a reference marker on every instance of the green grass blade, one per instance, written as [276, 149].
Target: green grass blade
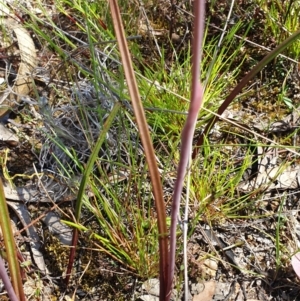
[93, 158]
[84, 181]
[10, 246]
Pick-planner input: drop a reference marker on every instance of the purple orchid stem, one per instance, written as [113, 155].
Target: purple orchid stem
[188, 130]
[7, 284]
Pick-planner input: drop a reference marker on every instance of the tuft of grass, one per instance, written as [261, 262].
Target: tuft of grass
[282, 19]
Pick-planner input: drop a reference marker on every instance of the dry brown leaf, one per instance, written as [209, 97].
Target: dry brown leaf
[34, 239]
[23, 194]
[28, 58]
[207, 293]
[27, 65]
[51, 191]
